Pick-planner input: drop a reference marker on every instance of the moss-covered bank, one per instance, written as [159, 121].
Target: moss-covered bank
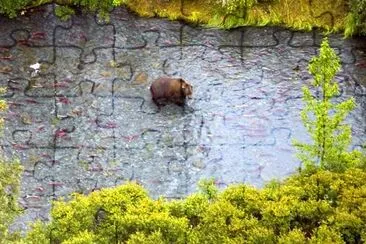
[348, 16]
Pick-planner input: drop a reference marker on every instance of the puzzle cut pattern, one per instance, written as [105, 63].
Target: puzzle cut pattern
[85, 120]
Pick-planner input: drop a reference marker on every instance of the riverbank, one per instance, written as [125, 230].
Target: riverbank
[299, 15]
[304, 15]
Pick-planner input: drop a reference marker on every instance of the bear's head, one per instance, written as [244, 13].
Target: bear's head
[187, 88]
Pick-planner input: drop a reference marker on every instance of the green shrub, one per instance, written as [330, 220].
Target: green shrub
[235, 6]
[356, 18]
[119, 2]
[10, 173]
[64, 12]
[322, 207]
[101, 6]
[324, 119]
[12, 7]
[239, 7]
[231, 13]
[9, 190]
[234, 13]
[112, 216]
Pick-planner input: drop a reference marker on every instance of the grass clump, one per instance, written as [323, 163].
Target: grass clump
[64, 12]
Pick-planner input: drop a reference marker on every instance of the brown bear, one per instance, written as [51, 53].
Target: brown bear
[175, 90]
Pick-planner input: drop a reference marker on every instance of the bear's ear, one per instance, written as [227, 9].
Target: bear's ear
[183, 84]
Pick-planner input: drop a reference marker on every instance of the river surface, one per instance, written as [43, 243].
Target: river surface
[85, 119]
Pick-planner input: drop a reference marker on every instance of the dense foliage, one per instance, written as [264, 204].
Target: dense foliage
[234, 11]
[12, 7]
[347, 15]
[102, 7]
[9, 186]
[356, 19]
[324, 118]
[237, 6]
[323, 207]
[64, 12]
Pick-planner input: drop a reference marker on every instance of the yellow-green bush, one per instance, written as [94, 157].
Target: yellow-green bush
[10, 172]
[324, 119]
[321, 207]
[9, 188]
